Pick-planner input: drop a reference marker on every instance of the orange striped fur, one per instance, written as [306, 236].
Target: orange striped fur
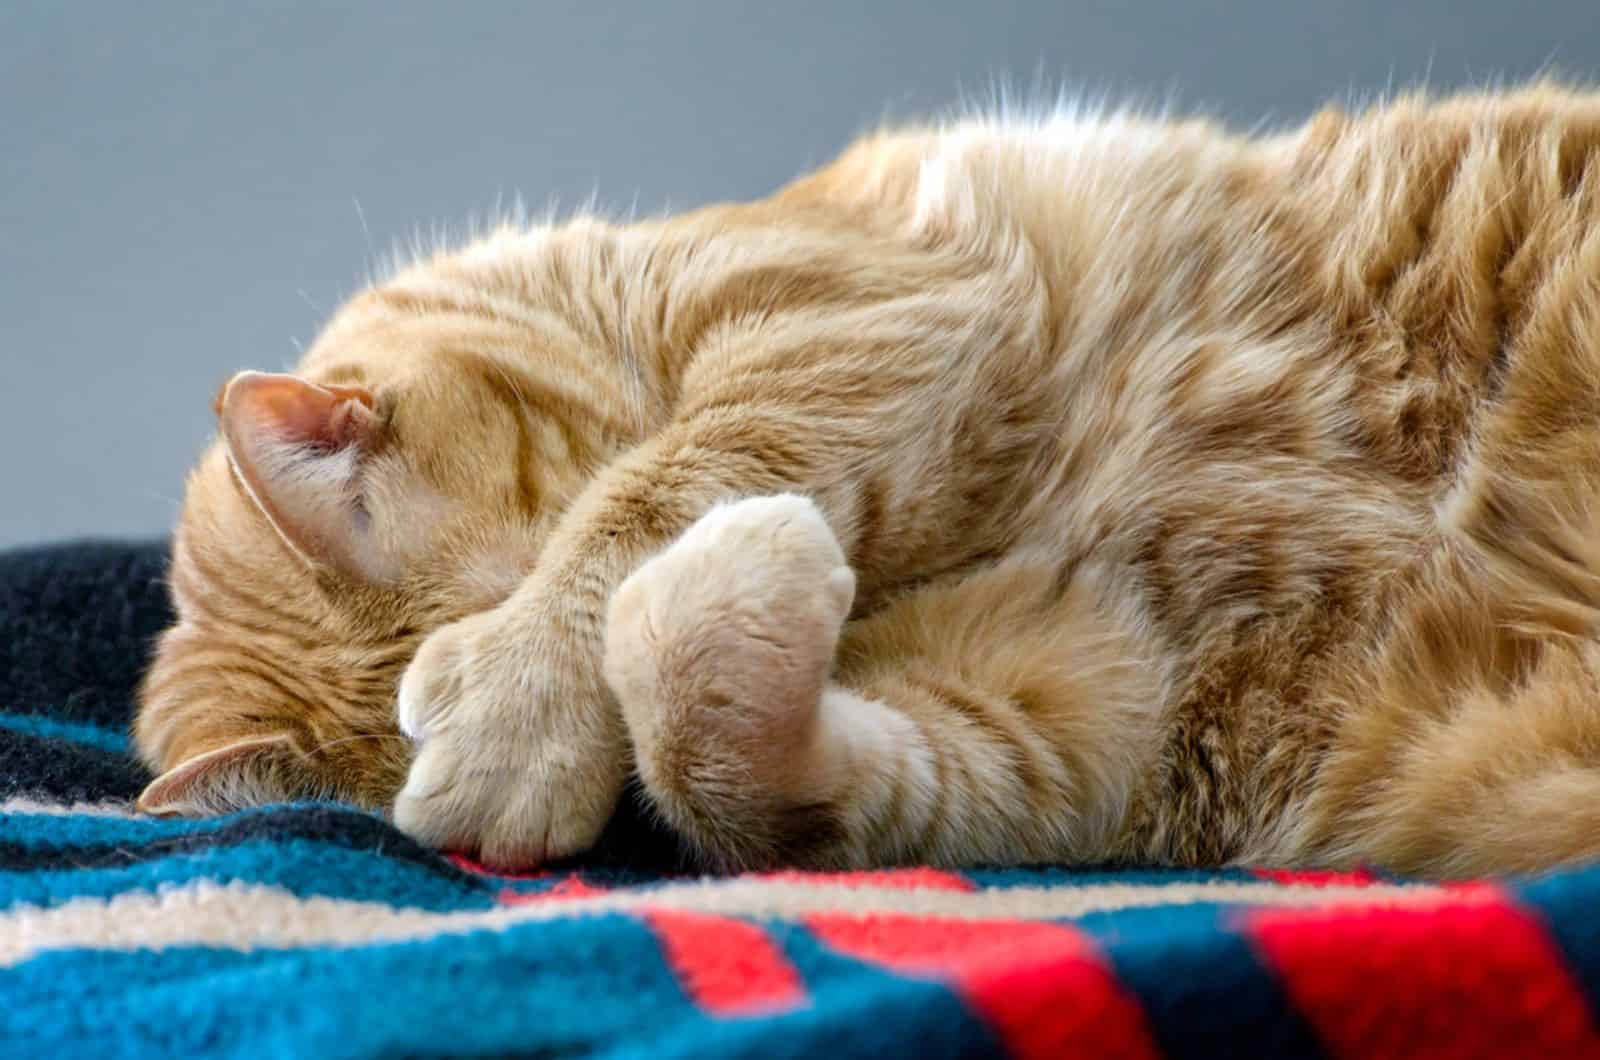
[1083, 488]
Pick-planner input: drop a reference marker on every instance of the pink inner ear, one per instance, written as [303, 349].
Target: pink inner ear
[291, 409]
[186, 786]
[299, 449]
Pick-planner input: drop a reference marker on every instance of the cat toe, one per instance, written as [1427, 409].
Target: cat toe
[718, 650]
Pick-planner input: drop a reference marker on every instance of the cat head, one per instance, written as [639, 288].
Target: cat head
[404, 476]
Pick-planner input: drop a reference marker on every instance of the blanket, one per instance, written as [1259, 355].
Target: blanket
[318, 930]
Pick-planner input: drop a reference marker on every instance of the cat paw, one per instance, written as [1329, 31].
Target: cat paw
[518, 759]
[718, 650]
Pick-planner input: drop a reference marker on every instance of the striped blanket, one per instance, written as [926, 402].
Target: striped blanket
[318, 931]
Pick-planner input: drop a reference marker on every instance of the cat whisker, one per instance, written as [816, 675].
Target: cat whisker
[354, 739]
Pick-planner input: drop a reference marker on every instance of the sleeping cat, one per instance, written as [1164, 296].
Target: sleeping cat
[1081, 489]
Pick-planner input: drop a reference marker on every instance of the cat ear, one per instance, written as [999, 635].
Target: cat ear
[298, 448]
[214, 781]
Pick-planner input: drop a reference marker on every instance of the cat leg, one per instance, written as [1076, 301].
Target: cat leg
[1505, 783]
[995, 717]
[1470, 743]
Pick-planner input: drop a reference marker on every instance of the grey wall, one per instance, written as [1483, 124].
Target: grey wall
[179, 186]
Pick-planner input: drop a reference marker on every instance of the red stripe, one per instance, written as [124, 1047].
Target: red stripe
[1356, 878]
[897, 879]
[1039, 985]
[727, 967]
[1472, 976]
[574, 886]
[477, 868]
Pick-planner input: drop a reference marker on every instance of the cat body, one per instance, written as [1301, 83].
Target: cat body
[1089, 488]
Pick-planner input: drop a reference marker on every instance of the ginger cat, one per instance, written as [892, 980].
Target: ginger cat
[1080, 489]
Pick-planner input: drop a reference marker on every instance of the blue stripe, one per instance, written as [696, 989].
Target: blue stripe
[300, 866]
[1203, 989]
[72, 732]
[585, 986]
[62, 829]
[1567, 902]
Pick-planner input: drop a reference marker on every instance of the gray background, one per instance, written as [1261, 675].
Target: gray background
[179, 185]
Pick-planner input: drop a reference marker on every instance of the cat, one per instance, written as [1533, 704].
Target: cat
[1084, 488]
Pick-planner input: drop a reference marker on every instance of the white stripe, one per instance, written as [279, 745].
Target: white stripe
[110, 808]
[239, 916]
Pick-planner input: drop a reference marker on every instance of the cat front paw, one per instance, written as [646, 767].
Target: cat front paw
[718, 650]
[518, 759]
